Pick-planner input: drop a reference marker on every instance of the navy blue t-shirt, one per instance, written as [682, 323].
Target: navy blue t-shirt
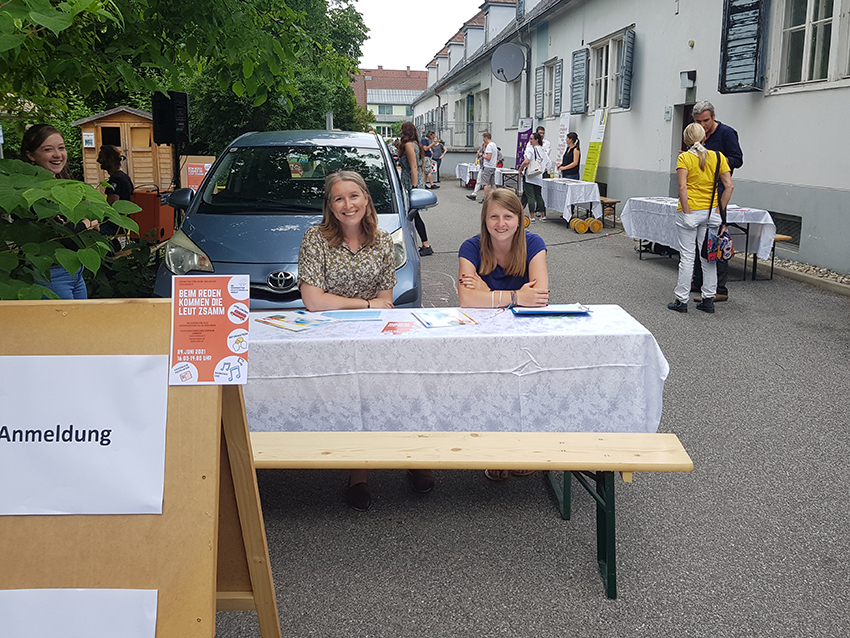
[426, 142]
[498, 280]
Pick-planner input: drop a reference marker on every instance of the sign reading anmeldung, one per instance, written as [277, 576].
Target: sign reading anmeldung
[209, 330]
[82, 434]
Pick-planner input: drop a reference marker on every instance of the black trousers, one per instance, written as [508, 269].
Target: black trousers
[420, 227]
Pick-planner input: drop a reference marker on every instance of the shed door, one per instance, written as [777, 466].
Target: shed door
[141, 155]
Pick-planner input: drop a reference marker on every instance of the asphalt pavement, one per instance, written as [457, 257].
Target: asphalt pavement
[753, 542]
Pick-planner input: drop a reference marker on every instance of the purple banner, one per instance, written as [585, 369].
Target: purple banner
[522, 137]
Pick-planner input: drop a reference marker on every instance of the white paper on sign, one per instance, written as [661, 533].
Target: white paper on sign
[83, 434]
[78, 613]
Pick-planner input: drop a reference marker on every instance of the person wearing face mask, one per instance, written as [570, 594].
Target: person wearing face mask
[44, 146]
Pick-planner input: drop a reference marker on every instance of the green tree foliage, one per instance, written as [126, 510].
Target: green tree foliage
[49, 48]
[38, 215]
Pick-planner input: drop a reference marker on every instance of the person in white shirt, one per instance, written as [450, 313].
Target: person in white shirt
[545, 145]
[533, 188]
[487, 176]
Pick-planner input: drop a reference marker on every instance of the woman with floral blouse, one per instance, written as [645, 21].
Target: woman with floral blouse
[347, 262]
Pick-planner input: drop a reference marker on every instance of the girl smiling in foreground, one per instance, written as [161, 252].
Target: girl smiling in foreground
[505, 265]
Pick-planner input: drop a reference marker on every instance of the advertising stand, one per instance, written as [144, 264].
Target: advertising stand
[207, 550]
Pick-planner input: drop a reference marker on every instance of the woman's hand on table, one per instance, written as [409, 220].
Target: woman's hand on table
[532, 297]
[473, 282]
[380, 304]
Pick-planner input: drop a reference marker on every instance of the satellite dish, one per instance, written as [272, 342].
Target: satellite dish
[507, 62]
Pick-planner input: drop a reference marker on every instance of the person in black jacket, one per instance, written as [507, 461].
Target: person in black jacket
[723, 138]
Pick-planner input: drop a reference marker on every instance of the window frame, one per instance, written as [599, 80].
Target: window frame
[838, 56]
[611, 60]
[382, 109]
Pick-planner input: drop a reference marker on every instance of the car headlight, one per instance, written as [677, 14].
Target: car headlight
[182, 255]
[399, 250]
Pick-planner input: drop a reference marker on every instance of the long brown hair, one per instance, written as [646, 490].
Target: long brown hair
[409, 134]
[330, 227]
[515, 264]
[34, 138]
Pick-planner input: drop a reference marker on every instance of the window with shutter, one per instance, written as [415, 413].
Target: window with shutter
[559, 85]
[578, 82]
[539, 74]
[624, 82]
[743, 45]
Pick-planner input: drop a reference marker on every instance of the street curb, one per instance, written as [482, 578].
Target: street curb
[812, 280]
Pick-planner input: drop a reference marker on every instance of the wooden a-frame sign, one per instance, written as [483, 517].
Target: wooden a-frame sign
[207, 550]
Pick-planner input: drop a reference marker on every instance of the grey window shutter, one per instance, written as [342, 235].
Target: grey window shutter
[538, 92]
[578, 85]
[624, 84]
[743, 46]
[559, 84]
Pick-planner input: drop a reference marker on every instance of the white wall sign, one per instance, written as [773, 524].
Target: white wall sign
[88, 140]
[82, 434]
[78, 613]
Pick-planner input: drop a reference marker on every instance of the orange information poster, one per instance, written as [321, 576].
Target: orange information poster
[195, 174]
[209, 330]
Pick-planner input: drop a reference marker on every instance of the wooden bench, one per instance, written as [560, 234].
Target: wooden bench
[591, 457]
[609, 207]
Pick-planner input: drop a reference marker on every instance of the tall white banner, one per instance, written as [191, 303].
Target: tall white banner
[563, 129]
[82, 434]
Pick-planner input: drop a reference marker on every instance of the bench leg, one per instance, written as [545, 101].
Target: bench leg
[605, 537]
[563, 494]
[605, 518]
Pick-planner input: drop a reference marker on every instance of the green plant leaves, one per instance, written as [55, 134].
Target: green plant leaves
[68, 260]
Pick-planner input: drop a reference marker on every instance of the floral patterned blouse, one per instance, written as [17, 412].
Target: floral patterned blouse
[355, 275]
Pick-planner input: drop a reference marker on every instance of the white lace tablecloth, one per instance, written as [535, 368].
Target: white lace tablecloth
[598, 373]
[560, 194]
[464, 171]
[654, 219]
[508, 175]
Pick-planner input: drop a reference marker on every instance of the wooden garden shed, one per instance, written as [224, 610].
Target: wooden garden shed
[149, 165]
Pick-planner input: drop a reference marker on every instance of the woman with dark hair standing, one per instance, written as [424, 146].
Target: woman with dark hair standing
[411, 156]
[348, 262]
[120, 184]
[533, 190]
[572, 156]
[43, 145]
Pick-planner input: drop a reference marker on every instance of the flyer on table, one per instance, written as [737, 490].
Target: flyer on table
[209, 330]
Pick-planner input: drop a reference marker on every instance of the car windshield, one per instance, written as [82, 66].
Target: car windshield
[289, 180]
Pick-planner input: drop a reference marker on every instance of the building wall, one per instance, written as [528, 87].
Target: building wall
[794, 157]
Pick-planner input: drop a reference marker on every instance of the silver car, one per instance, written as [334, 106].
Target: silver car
[262, 194]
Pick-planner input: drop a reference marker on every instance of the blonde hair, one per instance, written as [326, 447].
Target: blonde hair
[330, 228]
[518, 253]
[693, 136]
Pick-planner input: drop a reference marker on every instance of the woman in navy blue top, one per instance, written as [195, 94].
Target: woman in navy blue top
[505, 265]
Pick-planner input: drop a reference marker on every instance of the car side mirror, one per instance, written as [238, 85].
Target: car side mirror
[420, 199]
[181, 198]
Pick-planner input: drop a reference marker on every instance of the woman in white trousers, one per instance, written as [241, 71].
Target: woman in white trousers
[696, 170]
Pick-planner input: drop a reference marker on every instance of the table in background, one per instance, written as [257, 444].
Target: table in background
[562, 194]
[509, 177]
[598, 373]
[466, 171]
[654, 219]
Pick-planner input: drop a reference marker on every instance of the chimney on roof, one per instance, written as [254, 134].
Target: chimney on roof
[408, 71]
[380, 68]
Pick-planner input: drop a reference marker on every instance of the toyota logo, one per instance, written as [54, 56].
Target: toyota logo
[281, 280]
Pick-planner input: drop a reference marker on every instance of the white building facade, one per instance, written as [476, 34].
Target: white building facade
[777, 71]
